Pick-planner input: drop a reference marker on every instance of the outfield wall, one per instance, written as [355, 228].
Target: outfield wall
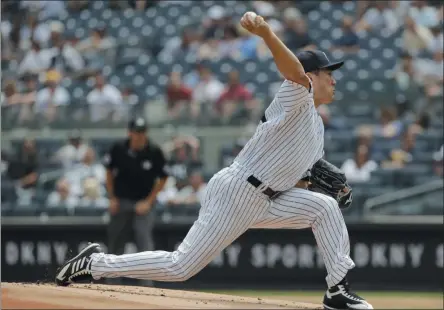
[408, 256]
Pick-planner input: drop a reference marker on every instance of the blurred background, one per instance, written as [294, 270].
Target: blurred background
[74, 72]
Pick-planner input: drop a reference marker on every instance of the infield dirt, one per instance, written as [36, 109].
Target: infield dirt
[92, 296]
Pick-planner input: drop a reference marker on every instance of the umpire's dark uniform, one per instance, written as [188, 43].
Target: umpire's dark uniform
[133, 167]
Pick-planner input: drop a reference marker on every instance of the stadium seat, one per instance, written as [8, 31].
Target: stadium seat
[57, 211]
[102, 145]
[383, 176]
[31, 210]
[89, 211]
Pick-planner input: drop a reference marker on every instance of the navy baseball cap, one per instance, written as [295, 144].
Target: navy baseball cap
[317, 60]
[138, 125]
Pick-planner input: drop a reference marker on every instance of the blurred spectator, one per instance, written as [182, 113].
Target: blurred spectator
[141, 4]
[45, 9]
[130, 105]
[407, 87]
[73, 152]
[265, 9]
[423, 14]
[98, 47]
[10, 94]
[88, 168]
[438, 162]
[23, 170]
[349, 41]
[207, 91]
[169, 191]
[10, 33]
[28, 98]
[330, 123]
[436, 44]
[235, 99]
[215, 23]
[178, 96]
[228, 155]
[4, 163]
[10, 7]
[291, 13]
[92, 194]
[192, 78]
[378, 17]
[430, 71]
[52, 96]
[191, 194]
[96, 42]
[430, 74]
[229, 46]
[129, 97]
[185, 46]
[64, 57]
[390, 126]
[34, 31]
[359, 169]
[209, 50]
[400, 8]
[62, 196]
[77, 5]
[248, 43]
[296, 35]
[416, 38]
[399, 157]
[36, 60]
[183, 156]
[423, 120]
[103, 100]
[361, 8]
[120, 4]
[11, 102]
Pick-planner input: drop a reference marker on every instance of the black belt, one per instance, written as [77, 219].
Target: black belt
[256, 183]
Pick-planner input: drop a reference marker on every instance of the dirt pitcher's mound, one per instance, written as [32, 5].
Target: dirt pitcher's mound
[91, 296]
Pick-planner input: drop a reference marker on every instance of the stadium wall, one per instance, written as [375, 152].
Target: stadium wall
[387, 256]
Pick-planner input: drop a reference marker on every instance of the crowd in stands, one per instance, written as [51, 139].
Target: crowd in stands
[80, 177]
[97, 63]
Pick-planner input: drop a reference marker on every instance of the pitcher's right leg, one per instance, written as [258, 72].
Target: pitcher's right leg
[230, 207]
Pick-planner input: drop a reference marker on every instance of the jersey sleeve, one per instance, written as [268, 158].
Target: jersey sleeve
[109, 159]
[292, 95]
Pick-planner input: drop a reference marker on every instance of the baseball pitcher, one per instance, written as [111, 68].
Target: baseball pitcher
[261, 189]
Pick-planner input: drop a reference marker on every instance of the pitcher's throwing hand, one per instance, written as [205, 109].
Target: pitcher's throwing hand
[255, 24]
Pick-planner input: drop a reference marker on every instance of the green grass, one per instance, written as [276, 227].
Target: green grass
[253, 293]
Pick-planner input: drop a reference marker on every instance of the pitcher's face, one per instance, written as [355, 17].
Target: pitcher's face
[324, 86]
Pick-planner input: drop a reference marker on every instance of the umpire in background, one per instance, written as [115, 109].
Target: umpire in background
[135, 175]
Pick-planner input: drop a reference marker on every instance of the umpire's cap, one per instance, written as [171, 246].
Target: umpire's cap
[317, 60]
[137, 124]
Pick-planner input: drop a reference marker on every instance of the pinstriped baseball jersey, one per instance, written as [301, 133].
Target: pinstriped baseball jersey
[289, 142]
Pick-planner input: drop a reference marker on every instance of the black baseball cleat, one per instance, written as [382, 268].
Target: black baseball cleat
[77, 269]
[339, 297]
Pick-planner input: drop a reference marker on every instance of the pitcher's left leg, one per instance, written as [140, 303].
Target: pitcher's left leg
[299, 208]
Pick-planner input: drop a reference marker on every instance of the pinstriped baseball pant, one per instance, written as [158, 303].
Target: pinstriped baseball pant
[230, 207]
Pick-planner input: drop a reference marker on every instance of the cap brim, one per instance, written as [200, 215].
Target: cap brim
[333, 66]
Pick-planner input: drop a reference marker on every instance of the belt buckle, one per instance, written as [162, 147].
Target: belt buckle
[272, 192]
[274, 195]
